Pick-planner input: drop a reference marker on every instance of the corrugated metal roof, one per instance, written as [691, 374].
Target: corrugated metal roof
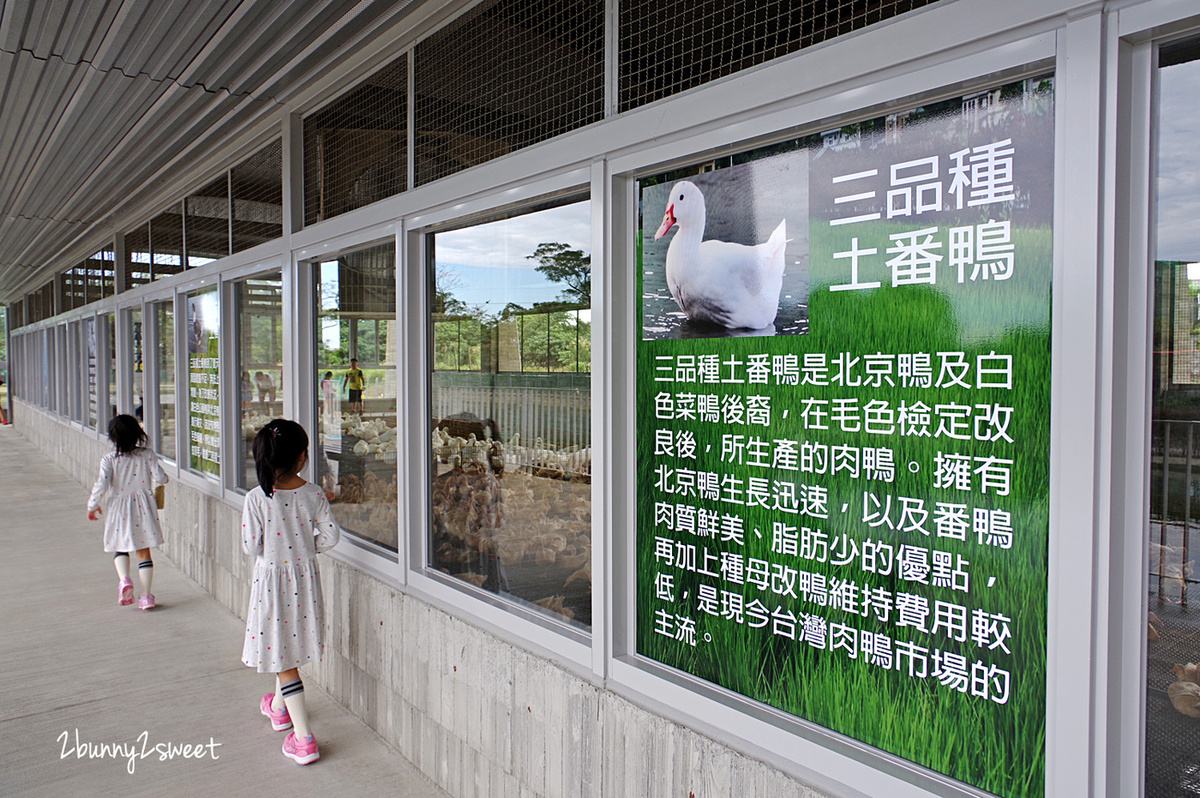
[102, 100]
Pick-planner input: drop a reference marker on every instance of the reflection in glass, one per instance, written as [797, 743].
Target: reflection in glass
[1173, 627]
[92, 364]
[74, 358]
[165, 318]
[139, 373]
[204, 397]
[356, 391]
[110, 352]
[258, 311]
[510, 500]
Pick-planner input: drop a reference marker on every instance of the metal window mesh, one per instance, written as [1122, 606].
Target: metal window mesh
[257, 187]
[356, 148]
[104, 264]
[666, 50]
[74, 288]
[166, 242]
[507, 74]
[137, 257]
[206, 217]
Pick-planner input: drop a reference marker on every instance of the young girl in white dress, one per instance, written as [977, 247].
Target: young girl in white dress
[130, 514]
[285, 522]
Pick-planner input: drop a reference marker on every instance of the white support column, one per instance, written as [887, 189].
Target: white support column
[604, 400]
[298, 296]
[293, 173]
[229, 383]
[1128, 198]
[1075, 641]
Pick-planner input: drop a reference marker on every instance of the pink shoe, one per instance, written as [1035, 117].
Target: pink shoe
[146, 602]
[279, 720]
[125, 591]
[304, 751]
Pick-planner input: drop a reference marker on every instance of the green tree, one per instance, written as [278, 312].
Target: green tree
[561, 264]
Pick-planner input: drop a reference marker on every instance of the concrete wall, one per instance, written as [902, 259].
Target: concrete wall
[480, 716]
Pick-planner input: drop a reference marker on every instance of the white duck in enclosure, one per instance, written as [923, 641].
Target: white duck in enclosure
[719, 282]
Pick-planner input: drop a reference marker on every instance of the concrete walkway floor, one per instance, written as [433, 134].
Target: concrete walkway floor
[78, 671]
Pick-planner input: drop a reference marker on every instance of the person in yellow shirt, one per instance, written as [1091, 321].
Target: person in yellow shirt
[353, 383]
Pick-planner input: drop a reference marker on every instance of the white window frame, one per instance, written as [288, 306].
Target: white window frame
[1123, 401]
[543, 634]
[868, 91]
[302, 287]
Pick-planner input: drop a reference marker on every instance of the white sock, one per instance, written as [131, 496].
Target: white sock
[146, 575]
[277, 702]
[121, 560]
[293, 699]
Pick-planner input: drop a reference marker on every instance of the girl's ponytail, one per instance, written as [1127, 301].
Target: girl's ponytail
[277, 447]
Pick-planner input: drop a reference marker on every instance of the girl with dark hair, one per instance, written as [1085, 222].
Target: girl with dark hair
[130, 514]
[285, 522]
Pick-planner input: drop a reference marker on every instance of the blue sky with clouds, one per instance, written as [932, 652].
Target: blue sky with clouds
[488, 264]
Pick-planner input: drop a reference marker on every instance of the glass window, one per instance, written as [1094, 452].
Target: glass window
[6, 374]
[258, 311]
[74, 371]
[63, 370]
[138, 372]
[91, 354]
[356, 390]
[50, 344]
[46, 347]
[1173, 683]
[204, 397]
[164, 313]
[510, 388]
[110, 357]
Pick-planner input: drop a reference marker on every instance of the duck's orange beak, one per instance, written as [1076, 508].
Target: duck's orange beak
[667, 223]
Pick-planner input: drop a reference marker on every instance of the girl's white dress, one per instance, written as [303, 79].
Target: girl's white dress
[130, 514]
[285, 620]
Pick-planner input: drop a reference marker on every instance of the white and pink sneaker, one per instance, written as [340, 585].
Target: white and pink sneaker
[125, 591]
[279, 720]
[303, 752]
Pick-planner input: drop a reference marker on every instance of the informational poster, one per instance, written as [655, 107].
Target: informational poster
[843, 387]
[204, 397]
[93, 396]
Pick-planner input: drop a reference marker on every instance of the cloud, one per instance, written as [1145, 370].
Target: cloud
[506, 243]
[1178, 184]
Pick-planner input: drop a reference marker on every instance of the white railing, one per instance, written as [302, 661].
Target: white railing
[561, 417]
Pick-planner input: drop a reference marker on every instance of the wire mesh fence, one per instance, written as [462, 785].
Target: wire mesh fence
[698, 41]
[505, 75]
[256, 191]
[356, 148]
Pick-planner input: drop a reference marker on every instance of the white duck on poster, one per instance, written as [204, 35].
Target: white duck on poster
[719, 282]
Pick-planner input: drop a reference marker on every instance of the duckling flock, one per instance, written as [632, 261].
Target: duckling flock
[513, 518]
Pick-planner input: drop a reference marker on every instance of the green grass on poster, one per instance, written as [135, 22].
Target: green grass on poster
[998, 748]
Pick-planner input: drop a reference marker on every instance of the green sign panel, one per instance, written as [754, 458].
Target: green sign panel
[843, 440]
